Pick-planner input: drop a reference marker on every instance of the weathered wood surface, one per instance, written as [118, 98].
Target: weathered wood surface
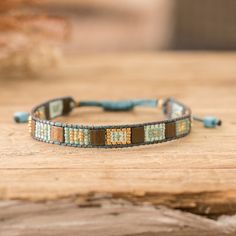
[196, 174]
[107, 217]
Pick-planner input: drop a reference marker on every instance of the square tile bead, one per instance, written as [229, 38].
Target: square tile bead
[57, 134]
[118, 136]
[41, 113]
[97, 137]
[138, 134]
[182, 127]
[154, 132]
[170, 130]
[55, 108]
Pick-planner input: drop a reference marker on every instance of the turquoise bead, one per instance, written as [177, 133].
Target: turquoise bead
[21, 117]
[211, 122]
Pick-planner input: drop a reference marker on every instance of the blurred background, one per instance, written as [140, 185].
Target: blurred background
[35, 34]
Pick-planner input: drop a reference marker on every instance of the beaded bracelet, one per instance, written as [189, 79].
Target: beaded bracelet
[177, 124]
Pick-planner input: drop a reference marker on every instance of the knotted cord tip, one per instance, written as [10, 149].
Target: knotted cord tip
[211, 122]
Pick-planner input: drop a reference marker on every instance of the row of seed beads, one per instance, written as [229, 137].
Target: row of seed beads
[42, 131]
[30, 124]
[71, 135]
[66, 135]
[84, 136]
[81, 136]
[76, 136]
[37, 129]
[47, 128]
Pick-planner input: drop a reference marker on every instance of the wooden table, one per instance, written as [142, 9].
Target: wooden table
[177, 188]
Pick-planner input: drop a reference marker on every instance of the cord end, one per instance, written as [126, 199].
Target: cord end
[21, 117]
[211, 122]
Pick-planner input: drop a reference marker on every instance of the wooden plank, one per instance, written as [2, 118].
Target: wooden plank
[200, 166]
[104, 216]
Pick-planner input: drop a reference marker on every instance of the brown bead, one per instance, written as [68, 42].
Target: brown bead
[137, 135]
[97, 137]
[170, 130]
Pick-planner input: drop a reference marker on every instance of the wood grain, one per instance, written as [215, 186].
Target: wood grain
[117, 218]
[195, 174]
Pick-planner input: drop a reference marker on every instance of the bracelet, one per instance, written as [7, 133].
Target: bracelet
[177, 124]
